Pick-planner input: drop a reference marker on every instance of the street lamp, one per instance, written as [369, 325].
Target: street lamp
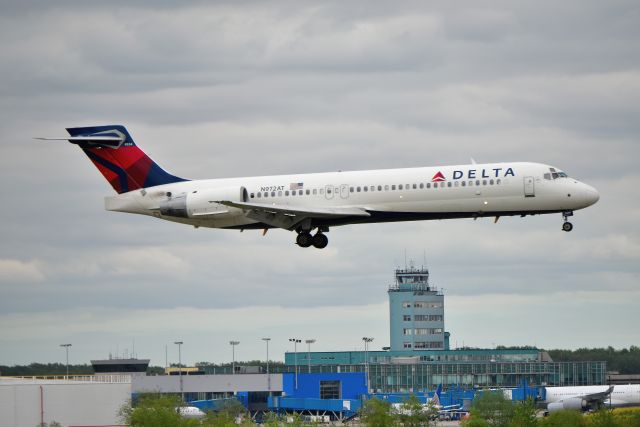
[179, 344]
[366, 340]
[266, 340]
[233, 355]
[66, 347]
[295, 342]
[309, 342]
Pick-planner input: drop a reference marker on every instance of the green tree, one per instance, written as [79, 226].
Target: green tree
[524, 414]
[412, 413]
[377, 413]
[492, 407]
[603, 418]
[272, 420]
[234, 408]
[564, 419]
[218, 419]
[155, 410]
[475, 422]
[627, 417]
[230, 414]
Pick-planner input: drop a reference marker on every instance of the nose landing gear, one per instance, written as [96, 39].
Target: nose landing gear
[318, 240]
[567, 226]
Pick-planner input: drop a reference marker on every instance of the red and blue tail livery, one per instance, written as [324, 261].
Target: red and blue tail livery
[121, 162]
[310, 204]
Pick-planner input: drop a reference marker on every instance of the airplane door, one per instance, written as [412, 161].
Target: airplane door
[529, 186]
[344, 191]
[328, 192]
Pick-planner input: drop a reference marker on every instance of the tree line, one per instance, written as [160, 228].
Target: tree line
[625, 361]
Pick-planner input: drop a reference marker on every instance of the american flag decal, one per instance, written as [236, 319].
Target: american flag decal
[296, 186]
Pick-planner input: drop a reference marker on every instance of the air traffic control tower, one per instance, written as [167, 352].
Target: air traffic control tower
[416, 312]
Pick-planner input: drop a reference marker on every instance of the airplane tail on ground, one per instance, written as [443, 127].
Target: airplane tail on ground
[121, 162]
[436, 395]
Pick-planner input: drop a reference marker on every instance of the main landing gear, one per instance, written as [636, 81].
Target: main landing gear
[318, 240]
[567, 226]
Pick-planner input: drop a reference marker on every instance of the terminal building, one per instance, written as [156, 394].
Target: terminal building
[419, 357]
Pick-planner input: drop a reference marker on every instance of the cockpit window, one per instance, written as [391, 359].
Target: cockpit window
[555, 174]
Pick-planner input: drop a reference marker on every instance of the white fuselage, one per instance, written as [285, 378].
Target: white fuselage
[441, 192]
[622, 395]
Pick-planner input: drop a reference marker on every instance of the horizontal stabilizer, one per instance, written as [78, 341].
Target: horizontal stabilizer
[113, 139]
[84, 138]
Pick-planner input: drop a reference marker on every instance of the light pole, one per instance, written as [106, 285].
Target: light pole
[309, 342]
[233, 355]
[366, 340]
[295, 342]
[66, 347]
[179, 344]
[266, 340]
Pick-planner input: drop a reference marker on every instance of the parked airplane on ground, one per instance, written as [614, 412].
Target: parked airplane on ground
[307, 202]
[191, 412]
[589, 397]
[432, 406]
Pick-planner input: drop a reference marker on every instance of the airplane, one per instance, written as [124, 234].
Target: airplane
[317, 201]
[590, 397]
[432, 407]
[190, 412]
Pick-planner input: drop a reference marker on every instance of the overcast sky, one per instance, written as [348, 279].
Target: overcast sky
[219, 89]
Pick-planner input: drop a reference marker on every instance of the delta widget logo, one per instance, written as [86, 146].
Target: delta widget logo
[438, 177]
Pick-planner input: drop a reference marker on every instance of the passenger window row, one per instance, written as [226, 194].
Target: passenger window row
[373, 188]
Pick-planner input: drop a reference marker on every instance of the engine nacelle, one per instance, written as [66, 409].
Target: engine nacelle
[571, 404]
[203, 203]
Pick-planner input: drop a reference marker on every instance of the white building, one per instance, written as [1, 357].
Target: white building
[76, 401]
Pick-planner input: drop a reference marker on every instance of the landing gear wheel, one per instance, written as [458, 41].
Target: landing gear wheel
[567, 226]
[304, 239]
[320, 241]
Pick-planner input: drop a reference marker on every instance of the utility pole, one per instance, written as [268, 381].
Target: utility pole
[295, 342]
[366, 340]
[179, 344]
[66, 347]
[309, 342]
[266, 340]
[233, 355]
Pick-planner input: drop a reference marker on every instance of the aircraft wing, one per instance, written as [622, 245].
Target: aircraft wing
[597, 397]
[288, 217]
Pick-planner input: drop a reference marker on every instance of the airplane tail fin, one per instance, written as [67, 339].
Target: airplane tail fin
[436, 395]
[121, 162]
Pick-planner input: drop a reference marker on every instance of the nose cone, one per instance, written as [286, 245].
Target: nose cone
[590, 194]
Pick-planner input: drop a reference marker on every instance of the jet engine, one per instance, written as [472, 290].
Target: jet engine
[199, 203]
[574, 403]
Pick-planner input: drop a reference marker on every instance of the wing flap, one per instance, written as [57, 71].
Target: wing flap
[311, 212]
[289, 217]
